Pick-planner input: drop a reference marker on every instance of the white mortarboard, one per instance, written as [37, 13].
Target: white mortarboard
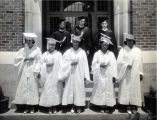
[51, 40]
[75, 38]
[128, 36]
[29, 36]
[106, 39]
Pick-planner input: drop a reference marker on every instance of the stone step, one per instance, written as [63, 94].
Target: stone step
[88, 114]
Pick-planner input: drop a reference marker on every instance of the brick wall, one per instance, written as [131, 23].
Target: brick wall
[143, 23]
[11, 24]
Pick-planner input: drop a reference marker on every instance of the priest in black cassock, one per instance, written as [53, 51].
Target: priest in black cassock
[105, 32]
[63, 36]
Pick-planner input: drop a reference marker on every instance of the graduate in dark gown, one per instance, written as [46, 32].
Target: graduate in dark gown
[106, 32]
[63, 36]
[86, 41]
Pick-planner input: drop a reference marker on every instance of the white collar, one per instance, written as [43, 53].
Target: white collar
[61, 30]
[104, 29]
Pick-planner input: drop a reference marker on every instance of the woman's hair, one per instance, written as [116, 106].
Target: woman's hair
[125, 42]
[33, 41]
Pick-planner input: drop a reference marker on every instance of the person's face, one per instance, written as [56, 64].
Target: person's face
[104, 24]
[104, 46]
[129, 43]
[51, 47]
[75, 44]
[62, 25]
[82, 22]
[30, 43]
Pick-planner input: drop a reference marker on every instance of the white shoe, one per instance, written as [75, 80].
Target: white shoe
[32, 111]
[54, 110]
[102, 111]
[72, 110]
[78, 110]
[129, 111]
[26, 111]
[50, 110]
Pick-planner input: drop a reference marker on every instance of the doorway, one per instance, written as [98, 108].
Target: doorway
[92, 10]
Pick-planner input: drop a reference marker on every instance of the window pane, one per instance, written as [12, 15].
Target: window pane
[54, 5]
[82, 6]
[102, 6]
[54, 24]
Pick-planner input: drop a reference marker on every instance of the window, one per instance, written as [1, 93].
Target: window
[102, 5]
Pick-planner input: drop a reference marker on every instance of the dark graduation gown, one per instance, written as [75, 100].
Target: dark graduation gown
[109, 33]
[86, 42]
[59, 35]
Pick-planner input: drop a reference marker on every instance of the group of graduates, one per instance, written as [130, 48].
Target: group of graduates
[62, 73]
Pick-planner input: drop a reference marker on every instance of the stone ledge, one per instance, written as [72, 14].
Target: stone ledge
[87, 115]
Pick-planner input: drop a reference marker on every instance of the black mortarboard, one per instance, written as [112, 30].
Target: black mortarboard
[81, 17]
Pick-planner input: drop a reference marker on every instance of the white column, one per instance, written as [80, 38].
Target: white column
[33, 18]
[121, 19]
[126, 16]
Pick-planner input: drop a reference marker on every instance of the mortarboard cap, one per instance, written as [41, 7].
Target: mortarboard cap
[51, 40]
[75, 38]
[106, 40]
[128, 36]
[81, 17]
[29, 36]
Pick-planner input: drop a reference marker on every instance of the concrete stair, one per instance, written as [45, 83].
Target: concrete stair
[88, 114]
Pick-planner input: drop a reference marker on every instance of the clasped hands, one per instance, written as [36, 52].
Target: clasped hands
[49, 64]
[103, 65]
[29, 59]
[75, 62]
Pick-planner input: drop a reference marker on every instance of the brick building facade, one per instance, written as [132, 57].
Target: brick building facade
[18, 16]
[11, 24]
[144, 23]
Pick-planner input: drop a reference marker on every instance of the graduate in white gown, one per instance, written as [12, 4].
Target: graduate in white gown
[27, 62]
[130, 74]
[51, 94]
[75, 72]
[104, 69]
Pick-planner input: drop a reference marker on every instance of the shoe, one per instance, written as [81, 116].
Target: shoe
[134, 111]
[106, 111]
[32, 111]
[26, 111]
[102, 111]
[72, 110]
[50, 110]
[129, 111]
[54, 110]
[79, 110]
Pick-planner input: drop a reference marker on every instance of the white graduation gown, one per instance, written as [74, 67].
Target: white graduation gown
[130, 86]
[74, 91]
[51, 94]
[103, 91]
[27, 89]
